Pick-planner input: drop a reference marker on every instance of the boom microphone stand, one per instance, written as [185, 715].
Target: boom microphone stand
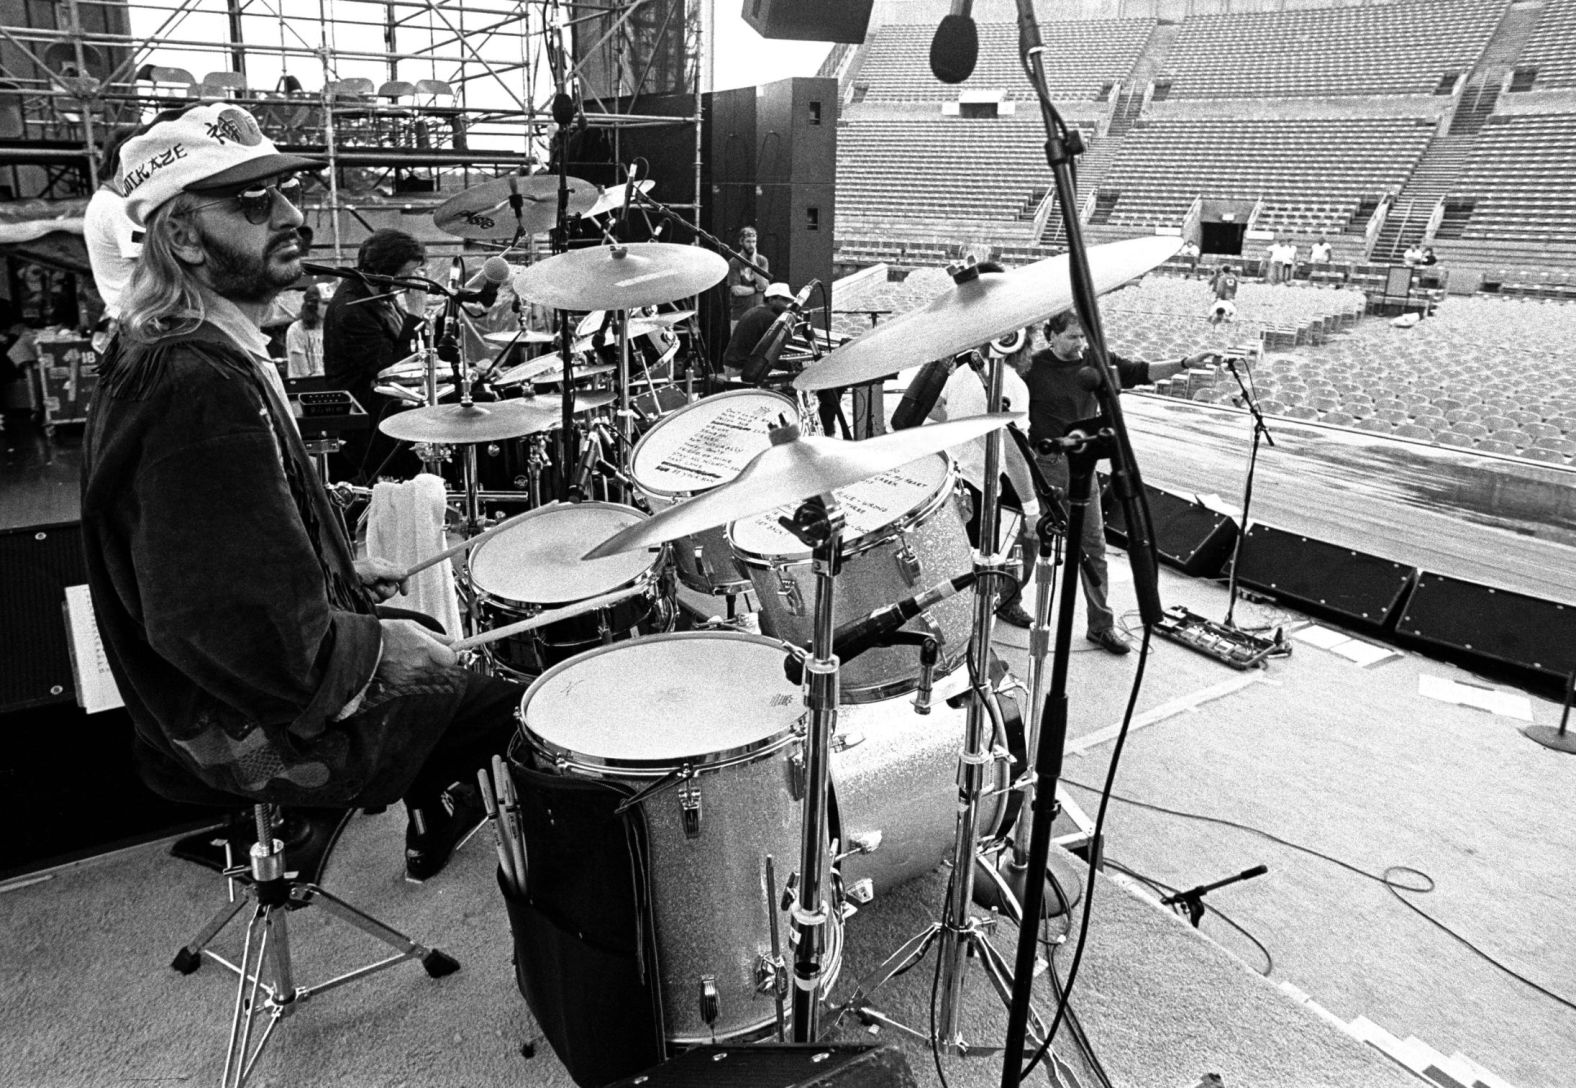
[1082, 451]
[1259, 431]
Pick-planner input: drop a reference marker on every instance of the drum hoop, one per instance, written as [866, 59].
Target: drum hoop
[867, 541]
[645, 579]
[634, 454]
[615, 766]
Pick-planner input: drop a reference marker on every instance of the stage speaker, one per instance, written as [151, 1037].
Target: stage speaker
[810, 20]
[796, 168]
[1188, 535]
[790, 1065]
[1322, 576]
[1493, 623]
[36, 566]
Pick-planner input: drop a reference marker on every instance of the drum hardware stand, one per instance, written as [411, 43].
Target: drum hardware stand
[818, 524]
[959, 932]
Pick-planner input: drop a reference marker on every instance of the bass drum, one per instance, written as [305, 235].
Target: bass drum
[904, 534]
[709, 725]
[694, 450]
[534, 566]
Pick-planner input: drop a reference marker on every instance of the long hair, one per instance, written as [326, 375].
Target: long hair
[161, 298]
[311, 308]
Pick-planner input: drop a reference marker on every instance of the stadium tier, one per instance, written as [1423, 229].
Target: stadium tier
[1312, 173]
[1415, 47]
[1549, 58]
[1518, 181]
[1084, 59]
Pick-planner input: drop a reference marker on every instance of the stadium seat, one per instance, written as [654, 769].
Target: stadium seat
[1456, 438]
[1472, 430]
[1300, 411]
[1412, 430]
[1541, 453]
[1375, 424]
[1493, 445]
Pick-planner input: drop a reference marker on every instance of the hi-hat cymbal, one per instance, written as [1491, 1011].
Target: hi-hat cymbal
[524, 336]
[968, 314]
[547, 369]
[612, 198]
[620, 277]
[485, 211]
[410, 368]
[461, 423]
[792, 469]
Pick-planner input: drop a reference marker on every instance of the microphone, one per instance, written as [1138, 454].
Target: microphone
[956, 45]
[482, 288]
[589, 456]
[629, 195]
[764, 355]
[856, 636]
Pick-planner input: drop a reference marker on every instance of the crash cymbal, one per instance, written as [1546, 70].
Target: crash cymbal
[547, 370]
[639, 324]
[550, 402]
[410, 368]
[460, 423]
[620, 277]
[525, 336]
[792, 469]
[484, 211]
[612, 198]
[968, 314]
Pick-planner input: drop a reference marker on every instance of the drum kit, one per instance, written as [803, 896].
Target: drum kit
[859, 730]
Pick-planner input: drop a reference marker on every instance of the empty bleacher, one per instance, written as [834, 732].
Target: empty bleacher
[1412, 47]
[1518, 180]
[1549, 53]
[1310, 172]
[1083, 58]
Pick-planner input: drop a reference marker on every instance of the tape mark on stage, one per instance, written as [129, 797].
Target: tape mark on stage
[1171, 709]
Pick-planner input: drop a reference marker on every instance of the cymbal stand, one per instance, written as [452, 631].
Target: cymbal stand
[958, 933]
[818, 523]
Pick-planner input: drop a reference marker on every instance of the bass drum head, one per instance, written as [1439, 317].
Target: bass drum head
[652, 704]
[707, 443]
[870, 509]
[537, 560]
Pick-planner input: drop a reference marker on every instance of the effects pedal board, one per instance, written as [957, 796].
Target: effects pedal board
[1225, 644]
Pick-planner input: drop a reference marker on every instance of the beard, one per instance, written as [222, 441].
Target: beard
[243, 276]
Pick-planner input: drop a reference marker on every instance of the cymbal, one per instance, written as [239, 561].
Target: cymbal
[410, 368]
[639, 325]
[966, 315]
[612, 198]
[553, 406]
[483, 211]
[620, 277]
[547, 369]
[794, 470]
[524, 336]
[462, 423]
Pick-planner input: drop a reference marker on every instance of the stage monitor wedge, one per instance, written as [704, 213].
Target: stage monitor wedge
[1324, 577]
[1188, 535]
[810, 20]
[1493, 623]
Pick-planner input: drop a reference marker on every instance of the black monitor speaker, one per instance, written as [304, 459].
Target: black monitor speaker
[810, 20]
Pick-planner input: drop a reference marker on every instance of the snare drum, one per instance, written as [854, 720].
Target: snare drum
[696, 449]
[708, 722]
[904, 533]
[535, 565]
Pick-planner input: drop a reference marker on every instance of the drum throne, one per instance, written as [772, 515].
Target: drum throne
[266, 987]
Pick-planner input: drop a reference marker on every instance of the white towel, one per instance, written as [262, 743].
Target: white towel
[405, 524]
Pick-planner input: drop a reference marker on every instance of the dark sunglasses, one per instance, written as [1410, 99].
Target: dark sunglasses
[257, 201]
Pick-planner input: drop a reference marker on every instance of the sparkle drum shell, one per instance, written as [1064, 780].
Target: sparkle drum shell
[695, 449]
[535, 566]
[717, 705]
[905, 532]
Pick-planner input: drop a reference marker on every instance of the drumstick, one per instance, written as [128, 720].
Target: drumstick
[553, 616]
[456, 549]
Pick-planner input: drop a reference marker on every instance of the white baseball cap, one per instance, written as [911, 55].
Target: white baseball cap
[779, 290]
[207, 147]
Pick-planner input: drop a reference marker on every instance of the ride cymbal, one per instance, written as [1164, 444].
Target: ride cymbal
[794, 468]
[487, 212]
[968, 314]
[620, 277]
[462, 423]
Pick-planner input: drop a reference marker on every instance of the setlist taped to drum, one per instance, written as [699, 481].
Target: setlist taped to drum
[867, 506]
[715, 454]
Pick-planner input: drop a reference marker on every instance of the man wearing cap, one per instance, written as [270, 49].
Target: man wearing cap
[238, 625]
[751, 327]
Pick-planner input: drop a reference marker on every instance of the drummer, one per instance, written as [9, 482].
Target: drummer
[242, 632]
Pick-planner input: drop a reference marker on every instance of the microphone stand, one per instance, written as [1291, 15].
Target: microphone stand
[1082, 452]
[563, 115]
[1260, 430]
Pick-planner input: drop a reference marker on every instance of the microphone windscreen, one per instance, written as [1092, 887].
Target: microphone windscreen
[495, 269]
[954, 49]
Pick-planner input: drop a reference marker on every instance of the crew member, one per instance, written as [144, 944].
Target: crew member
[749, 329]
[1060, 396]
[748, 279]
[367, 328]
[240, 628]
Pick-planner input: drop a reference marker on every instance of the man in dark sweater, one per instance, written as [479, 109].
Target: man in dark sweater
[751, 327]
[1059, 396]
[243, 633]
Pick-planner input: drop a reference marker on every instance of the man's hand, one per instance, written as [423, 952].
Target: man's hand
[380, 578]
[1201, 357]
[409, 650]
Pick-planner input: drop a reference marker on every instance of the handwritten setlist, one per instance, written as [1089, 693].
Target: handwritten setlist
[713, 450]
[96, 688]
[870, 506]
